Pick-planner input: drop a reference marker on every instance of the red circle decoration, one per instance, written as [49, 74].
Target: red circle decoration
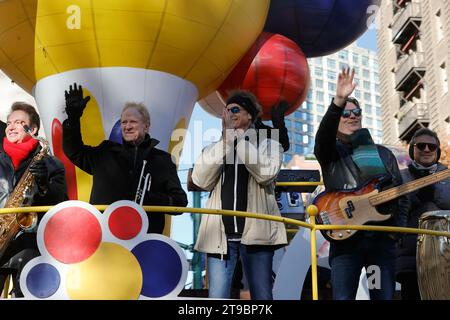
[273, 69]
[125, 223]
[72, 235]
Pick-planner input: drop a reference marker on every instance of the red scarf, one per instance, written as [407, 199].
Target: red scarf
[19, 151]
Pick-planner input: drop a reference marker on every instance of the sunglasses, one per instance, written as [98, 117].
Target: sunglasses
[422, 145]
[234, 109]
[347, 113]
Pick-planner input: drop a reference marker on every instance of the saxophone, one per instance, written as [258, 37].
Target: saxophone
[11, 224]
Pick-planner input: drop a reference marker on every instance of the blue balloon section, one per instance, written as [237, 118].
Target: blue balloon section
[43, 280]
[321, 27]
[161, 267]
[116, 133]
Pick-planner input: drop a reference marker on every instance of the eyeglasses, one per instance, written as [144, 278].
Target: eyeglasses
[234, 110]
[422, 145]
[347, 113]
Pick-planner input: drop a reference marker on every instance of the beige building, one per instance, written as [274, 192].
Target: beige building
[413, 38]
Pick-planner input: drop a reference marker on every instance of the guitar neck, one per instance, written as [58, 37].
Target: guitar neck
[408, 187]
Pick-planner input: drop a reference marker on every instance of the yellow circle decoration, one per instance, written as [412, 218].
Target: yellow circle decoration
[111, 273]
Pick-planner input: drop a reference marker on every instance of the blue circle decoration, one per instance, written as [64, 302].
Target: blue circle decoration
[321, 27]
[43, 280]
[161, 267]
[116, 133]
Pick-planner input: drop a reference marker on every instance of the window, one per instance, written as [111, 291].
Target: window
[288, 123]
[319, 84]
[305, 127]
[298, 149]
[366, 85]
[369, 121]
[343, 55]
[318, 71]
[378, 111]
[309, 106]
[367, 96]
[331, 86]
[331, 63]
[287, 157]
[376, 76]
[331, 75]
[298, 126]
[319, 96]
[320, 108]
[358, 94]
[355, 58]
[366, 73]
[342, 65]
[309, 96]
[297, 115]
[305, 139]
[379, 124]
[377, 99]
[365, 61]
[377, 88]
[298, 137]
[368, 108]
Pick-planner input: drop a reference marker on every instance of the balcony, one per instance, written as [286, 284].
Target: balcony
[409, 71]
[412, 117]
[406, 22]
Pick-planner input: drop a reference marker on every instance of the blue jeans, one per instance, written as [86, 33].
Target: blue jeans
[347, 260]
[256, 263]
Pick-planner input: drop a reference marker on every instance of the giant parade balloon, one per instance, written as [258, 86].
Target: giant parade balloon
[321, 27]
[274, 69]
[164, 53]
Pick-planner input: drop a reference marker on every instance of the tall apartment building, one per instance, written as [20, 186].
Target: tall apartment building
[414, 50]
[304, 122]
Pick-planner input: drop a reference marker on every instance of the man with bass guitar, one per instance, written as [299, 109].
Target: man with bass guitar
[349, 160]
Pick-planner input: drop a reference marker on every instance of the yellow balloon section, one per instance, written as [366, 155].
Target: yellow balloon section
[197, 40]
[112, 272]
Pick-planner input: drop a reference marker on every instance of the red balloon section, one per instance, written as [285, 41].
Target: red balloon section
[273, 69]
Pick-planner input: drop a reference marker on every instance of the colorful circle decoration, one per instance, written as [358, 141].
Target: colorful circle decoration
[109, 256]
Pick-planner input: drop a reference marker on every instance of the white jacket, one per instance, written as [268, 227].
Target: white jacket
[263, 164]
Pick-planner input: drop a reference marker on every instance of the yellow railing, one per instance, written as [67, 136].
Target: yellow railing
[311, 210]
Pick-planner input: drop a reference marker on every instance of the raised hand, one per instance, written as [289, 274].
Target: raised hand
[75, 103]
[345, 86]
[278, 113]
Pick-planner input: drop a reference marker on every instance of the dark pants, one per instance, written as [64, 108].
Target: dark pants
[17, 254]
[410, 286]
[347, 258]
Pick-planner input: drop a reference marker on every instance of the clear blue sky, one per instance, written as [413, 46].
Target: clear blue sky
[182, 225]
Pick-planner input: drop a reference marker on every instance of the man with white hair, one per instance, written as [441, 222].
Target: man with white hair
[117, 168]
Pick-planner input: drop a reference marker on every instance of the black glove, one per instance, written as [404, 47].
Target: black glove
[39, 171]
[278, 114]
[75, 103]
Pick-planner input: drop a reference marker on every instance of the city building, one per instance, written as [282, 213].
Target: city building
[414, 50]
[304, 122]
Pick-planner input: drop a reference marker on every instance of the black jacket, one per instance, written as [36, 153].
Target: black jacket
[57, 192]
[430, 198]
[339, 171]
[2, 130]
[116, 169]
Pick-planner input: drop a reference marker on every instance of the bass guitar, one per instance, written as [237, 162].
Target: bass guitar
[357, 206]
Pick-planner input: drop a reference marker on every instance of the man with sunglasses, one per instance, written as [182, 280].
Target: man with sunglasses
[348, 159]
[240, 170]
[424, 152]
